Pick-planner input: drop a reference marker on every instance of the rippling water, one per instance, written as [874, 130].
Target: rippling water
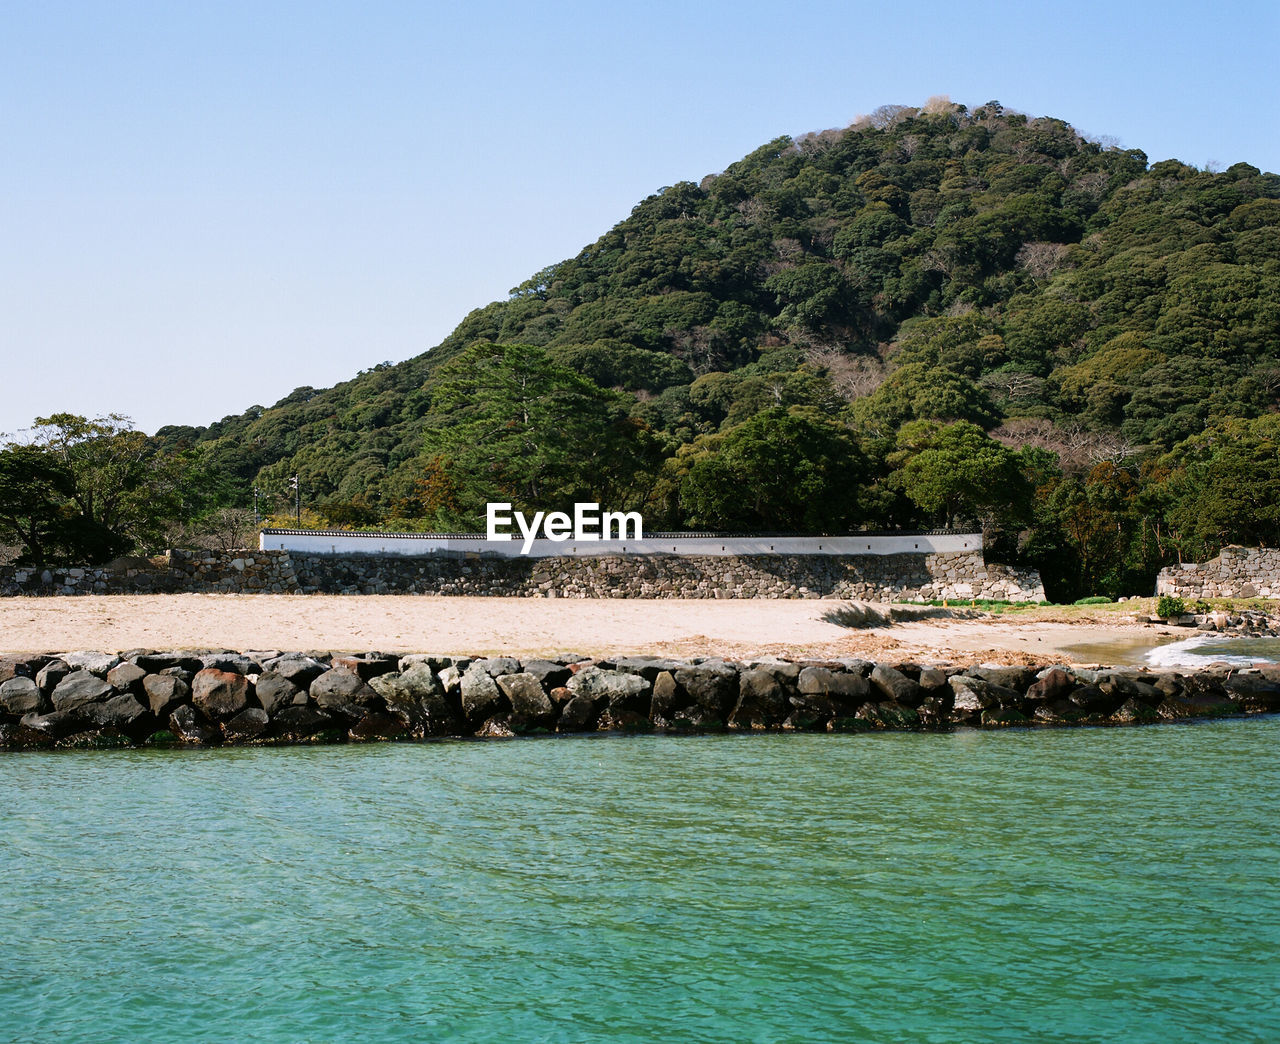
[1067, 885]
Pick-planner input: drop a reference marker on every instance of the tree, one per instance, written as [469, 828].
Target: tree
[789, 470]
[120, 483]
[506, 423]
[956, 472]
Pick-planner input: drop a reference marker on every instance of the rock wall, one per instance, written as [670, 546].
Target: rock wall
[254, 572]
[959, 576]
[1238, 572]
[201, 698]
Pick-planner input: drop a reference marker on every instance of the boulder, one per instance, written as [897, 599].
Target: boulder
[550, 675]
[1016, 678]
[1255, 693]
[19, 696]
[668, 698]
[124, 714]
[1053, 684]
[498, 665]
[234, 662]
[78, 689]
[712, 688]
[367, 665]
[648, 667]
[380, 725]
[164, 692]
[888, 715]
[298, 668]
[621, 691]
[1133, 711]
[530, 705]
[480, 696]
[762, 701]
[189, 726]
[155, 662]
[578, 715]
[249, 724]
[51, 673]
[341, 690]
[275, 691]
[126, 677]
[94, 662]
[418, 700]
[825, 682]
[17, 736]
[895, 685]
[999, 717]
[219, 694]
[295, 723]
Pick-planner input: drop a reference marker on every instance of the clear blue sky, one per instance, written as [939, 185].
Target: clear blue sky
[205, 205]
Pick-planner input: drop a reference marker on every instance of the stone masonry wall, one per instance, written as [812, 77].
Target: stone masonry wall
[959, 576]
[1238, 572]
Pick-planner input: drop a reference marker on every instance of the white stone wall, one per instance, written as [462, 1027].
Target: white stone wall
[336, 543]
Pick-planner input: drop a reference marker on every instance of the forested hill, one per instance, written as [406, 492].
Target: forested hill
[827, 335]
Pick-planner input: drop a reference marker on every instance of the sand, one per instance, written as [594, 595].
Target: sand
[746, 629]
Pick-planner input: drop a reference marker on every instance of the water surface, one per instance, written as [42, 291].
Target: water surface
[1072, 885]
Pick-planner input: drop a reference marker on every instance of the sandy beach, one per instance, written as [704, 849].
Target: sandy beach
[518, 626]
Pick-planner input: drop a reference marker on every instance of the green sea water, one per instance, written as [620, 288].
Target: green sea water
[1064, 885]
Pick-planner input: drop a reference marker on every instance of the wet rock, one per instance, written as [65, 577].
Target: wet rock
[888, 715]
[530, 705]
[17, 736]
[78, 689]
[418, 699]
[295, 723]
[480, 696]
[124, 714]
[496, 728]
[578, 715]
[712, 687]
[164, 692]
[999, 717]
[249, 724]
[189, 726]
[1133, 711]
[762, 701]
[380, 725]
[19, 696]
[55, 724]
[219, 695]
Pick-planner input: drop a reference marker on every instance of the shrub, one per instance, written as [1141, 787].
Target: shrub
[1168, 605]
[1094, 600]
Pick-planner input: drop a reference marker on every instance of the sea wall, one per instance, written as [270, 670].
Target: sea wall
[211, 697]
[958, 576]
[1238, 572]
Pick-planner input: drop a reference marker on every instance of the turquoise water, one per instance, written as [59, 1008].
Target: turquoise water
[1067, 885]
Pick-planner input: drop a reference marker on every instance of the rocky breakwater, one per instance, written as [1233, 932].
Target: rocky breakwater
[201, 698]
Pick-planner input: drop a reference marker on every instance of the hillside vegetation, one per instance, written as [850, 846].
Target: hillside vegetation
[936, 316]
